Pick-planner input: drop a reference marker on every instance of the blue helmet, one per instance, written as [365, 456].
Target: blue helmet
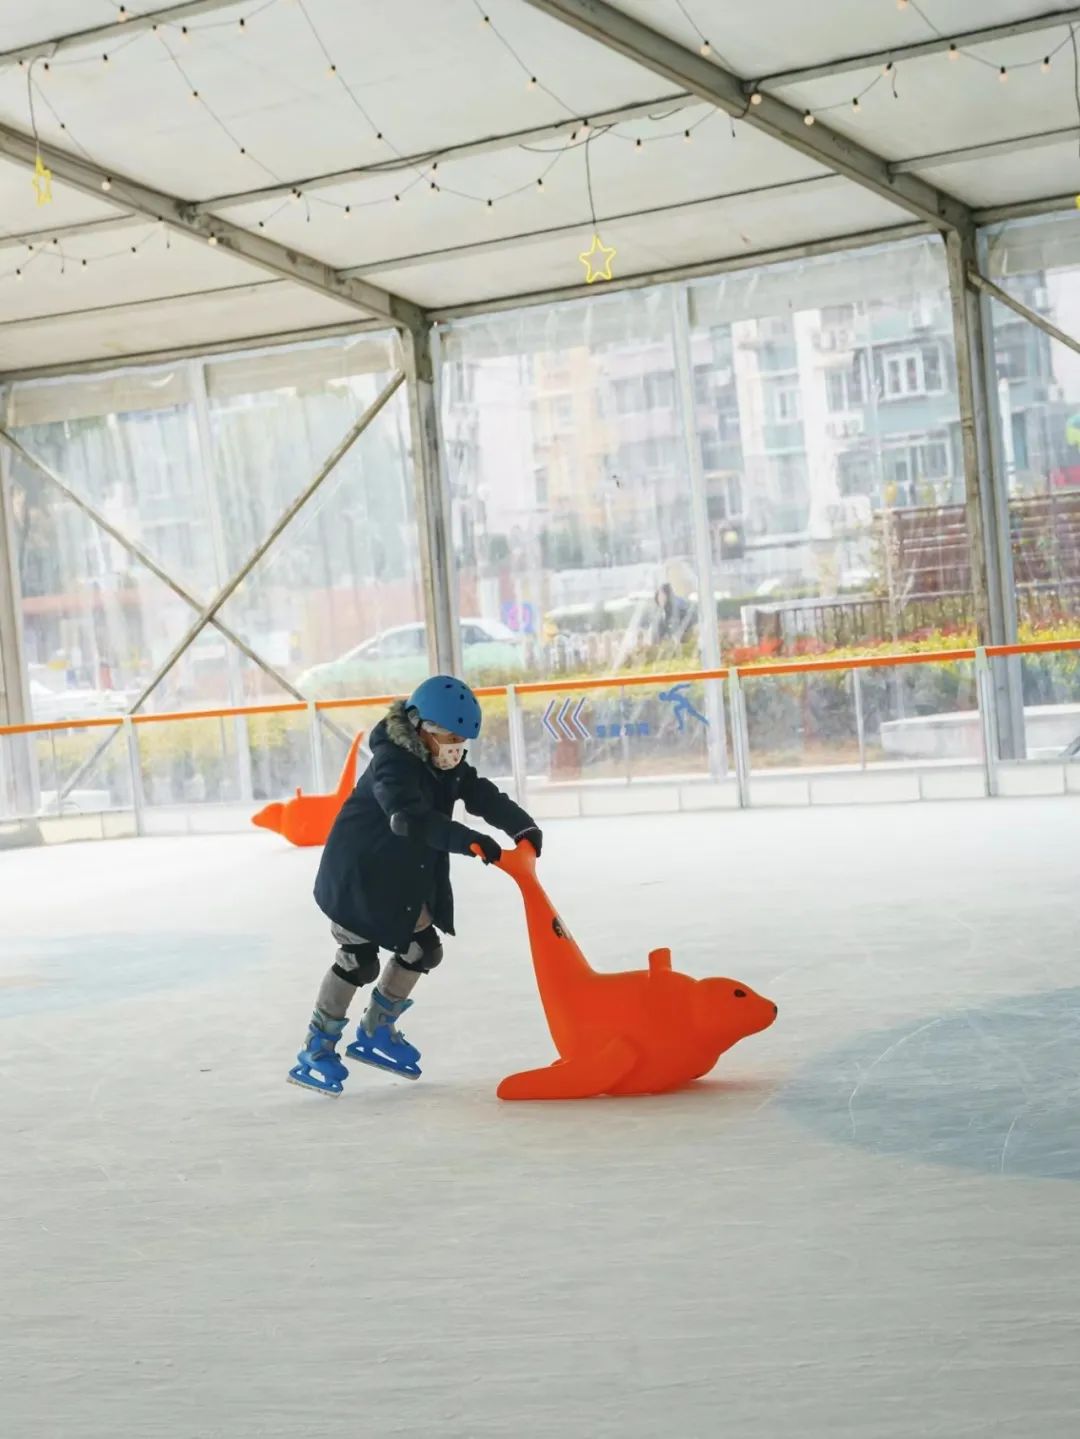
[448, 703]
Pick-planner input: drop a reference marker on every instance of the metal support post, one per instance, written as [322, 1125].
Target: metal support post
[135, 772]
[860, 722]
[708, 625]
[432, 503]
[205, 445]
[987, 501]
[318, 774]
[17, 756]
[517, 746]
[984, 697]
[739, 738]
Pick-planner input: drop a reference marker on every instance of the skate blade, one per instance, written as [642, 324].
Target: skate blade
[331, 1091]
[386, 1068]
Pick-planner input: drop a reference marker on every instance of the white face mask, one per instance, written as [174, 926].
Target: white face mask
[448, 755]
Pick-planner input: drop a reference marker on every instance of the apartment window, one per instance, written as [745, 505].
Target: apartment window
[787, 404]
[629, 396]
[660, 390]
[564, 412]
[912, 372]
[844, 388]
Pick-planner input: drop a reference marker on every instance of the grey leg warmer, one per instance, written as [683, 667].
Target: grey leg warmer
[356, 964]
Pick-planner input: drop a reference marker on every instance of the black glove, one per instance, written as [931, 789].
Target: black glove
[534, 836]
[490, 847]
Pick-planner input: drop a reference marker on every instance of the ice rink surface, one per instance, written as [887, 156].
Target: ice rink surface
[864, 1224]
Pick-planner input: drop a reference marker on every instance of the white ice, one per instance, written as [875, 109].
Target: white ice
[864, 1225]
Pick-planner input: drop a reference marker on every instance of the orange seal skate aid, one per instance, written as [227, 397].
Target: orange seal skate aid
[638, 1031]
[308, 818]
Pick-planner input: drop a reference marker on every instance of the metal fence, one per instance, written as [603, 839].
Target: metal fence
[731, 732]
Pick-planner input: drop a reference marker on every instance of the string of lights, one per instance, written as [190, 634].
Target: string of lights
[54, 251]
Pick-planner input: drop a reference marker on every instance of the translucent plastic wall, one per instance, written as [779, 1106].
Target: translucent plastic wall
[195, 464]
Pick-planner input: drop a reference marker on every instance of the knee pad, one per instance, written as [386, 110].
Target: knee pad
[357, 964]
[425, 953]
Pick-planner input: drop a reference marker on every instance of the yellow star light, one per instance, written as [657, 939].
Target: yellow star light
[42, 182]
[594, 269]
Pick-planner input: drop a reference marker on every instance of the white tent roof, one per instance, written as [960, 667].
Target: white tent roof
[211, 128]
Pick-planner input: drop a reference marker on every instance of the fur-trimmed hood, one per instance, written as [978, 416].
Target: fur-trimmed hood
[401, 731]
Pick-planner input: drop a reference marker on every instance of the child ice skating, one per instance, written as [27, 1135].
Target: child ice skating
[384, 880]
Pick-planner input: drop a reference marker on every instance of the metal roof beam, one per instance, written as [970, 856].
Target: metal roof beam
[939, 44]
[1011, 146]
[562, 129]
[653, 51]
[66, 232]
[497, 245]
[268, 255]
[116, 29]
[784, 254]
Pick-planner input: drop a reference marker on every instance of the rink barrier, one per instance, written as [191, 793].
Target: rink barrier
[727, 681]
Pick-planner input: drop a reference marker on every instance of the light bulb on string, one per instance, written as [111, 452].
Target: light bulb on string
[855, 103]
[243, 26]
[135, 252]
[331, 70]
[490, 204]
[531, 83]
[185, 33]
[901, 4]
[954, 53]
[1045, 66]
[348, 210]
[886, 69]
[540, 183]
[808, 118]
[121, 15]
[104, 59]
[83, 264]
[193, 97]
[583, 128]
[397, 199]
[756, 98]
[706, 48]
[1003, 76]
[639, 144]
[18, 274]
[687, 137]
[106, 184]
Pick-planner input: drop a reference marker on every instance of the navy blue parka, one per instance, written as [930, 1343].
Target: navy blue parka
[374, 882]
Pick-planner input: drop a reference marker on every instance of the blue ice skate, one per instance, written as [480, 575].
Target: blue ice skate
[317, 1065]
[379, 1043]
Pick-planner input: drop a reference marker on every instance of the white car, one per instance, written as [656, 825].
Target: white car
[395, 661]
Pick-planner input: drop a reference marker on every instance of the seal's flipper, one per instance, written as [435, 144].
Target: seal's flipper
[580, 1078]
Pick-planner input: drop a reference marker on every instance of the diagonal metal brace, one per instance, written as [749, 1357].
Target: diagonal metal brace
[207, 614]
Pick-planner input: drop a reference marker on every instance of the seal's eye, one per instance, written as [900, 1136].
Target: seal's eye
[740, 994]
